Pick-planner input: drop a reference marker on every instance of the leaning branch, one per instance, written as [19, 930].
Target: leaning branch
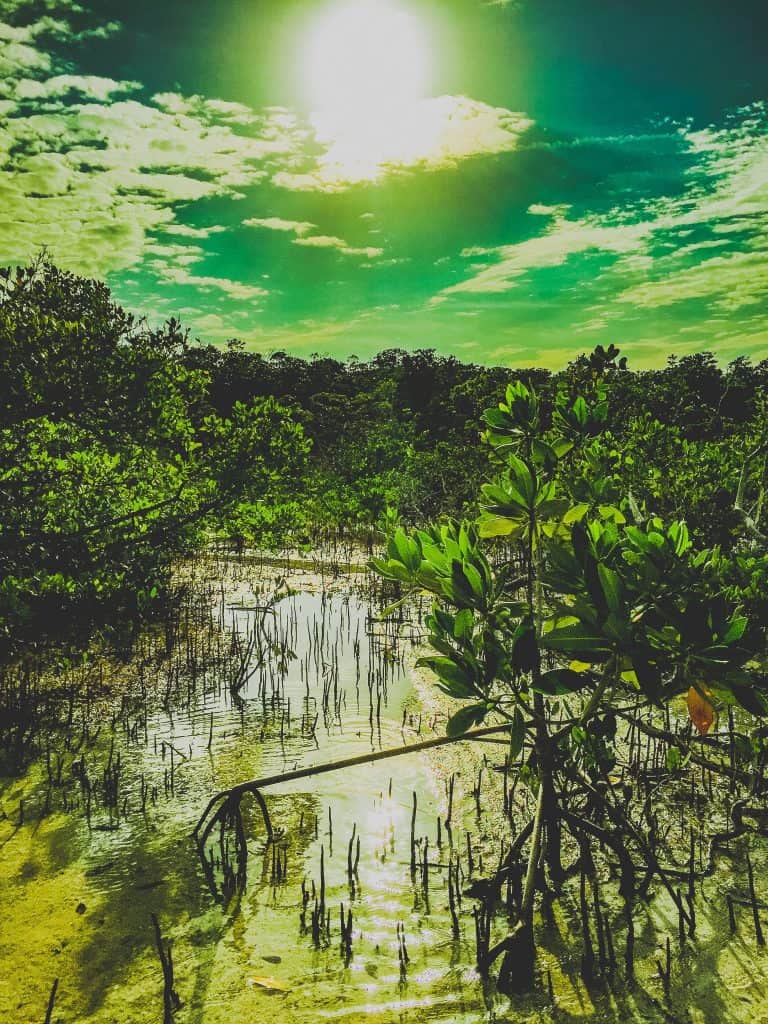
[254, 786]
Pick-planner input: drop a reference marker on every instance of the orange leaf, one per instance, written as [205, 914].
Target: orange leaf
[700, 711]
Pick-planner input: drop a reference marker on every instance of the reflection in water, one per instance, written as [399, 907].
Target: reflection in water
[339, 912]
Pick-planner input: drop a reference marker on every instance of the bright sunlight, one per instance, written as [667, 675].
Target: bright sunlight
[366, 67]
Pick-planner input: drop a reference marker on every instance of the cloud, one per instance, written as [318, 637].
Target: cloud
[730, 282]
[297, 227]
[212, 324]
[92, 87]
[93, 173]
[301, 228]
[188, 231]
[19, 54]
[564, 239]
[331, 242]
[234, 289]
[542, 210]
[429, 135]
[706, 244]
[13, 7]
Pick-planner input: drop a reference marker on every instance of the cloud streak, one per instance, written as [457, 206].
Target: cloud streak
[654, 261]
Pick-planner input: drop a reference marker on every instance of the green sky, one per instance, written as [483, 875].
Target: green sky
[510, 182]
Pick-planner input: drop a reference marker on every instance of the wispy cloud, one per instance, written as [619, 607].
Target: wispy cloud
[234, 289]
[93, 172]
[655, 260]
[296, 227]
[301, 230]
[331, 242]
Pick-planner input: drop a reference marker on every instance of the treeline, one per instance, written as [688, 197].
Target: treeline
[401, 431]
[123, 448]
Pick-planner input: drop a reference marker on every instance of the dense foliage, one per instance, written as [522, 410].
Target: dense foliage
[599, 608]
[402, 430]
[123, 446]
[110, 465]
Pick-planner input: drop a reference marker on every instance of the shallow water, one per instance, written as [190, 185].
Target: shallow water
[84, 865]
[78, 893]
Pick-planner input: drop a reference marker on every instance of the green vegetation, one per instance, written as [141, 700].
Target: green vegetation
[600, 608]
[110, 465]
[122, 447]
[592, 543]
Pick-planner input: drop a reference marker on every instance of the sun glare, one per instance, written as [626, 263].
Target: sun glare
[366, 67]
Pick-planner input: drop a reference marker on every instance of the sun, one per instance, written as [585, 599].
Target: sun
[365, 56]
[366, 68]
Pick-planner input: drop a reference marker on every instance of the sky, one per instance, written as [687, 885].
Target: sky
[508, 181]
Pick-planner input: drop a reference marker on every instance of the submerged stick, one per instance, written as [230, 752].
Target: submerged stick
[171, 1001]
[51, 1001]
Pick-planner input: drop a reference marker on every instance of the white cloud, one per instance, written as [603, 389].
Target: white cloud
[656, 264]
[296, 227]
[542, 210]
[234, 289]
[92, 87]
[301, 229]
[13, 7]
[730, 282]
[211, 323]
[91, 172]
[187, 231]
[93, 180]
[331, 242]
[564, 239]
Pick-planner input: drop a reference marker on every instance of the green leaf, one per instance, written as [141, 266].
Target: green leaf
[553, 508]
[577, 639]
[455, 680]
[474, 579]
[463, 592]
[465, 718]
[575, 513]
[678, 534]
[560, 681]
[751, 700]
[525, 649]
[543, 454]
[524, 480]
[498, 419]
[612, 588]
[407, 549]
[580, 411]
[463, 623]
[612, 514]
[735, 630]
[673, 759]
[393, 607]
[496, 526]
